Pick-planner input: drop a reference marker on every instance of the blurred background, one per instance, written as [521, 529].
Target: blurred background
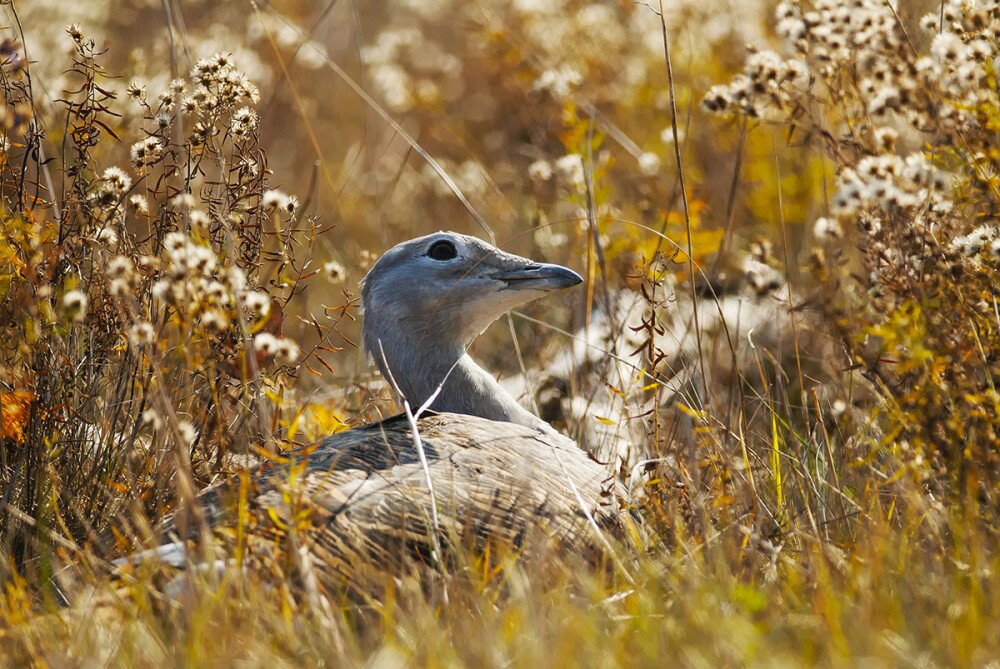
[522, 103]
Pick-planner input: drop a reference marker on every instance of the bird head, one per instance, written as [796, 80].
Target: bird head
[451, 286]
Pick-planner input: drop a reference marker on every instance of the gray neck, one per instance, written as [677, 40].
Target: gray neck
[418, 365]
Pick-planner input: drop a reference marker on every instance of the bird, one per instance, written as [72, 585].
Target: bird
[426, 300]
[464, 466]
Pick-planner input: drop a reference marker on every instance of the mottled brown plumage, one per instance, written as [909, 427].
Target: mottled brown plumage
[361, 506]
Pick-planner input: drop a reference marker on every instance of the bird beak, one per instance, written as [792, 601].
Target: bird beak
[539, 276]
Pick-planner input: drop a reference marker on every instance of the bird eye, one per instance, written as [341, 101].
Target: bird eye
[442, 250]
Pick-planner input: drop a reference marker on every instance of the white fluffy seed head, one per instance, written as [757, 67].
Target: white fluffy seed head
[75, 305]
[257, 303]
[273, 198]
[119, 267]
[334, 271]
[120, 288]
[150, 418]
[287, 352]
[214, 321]
[141, 334]
[266, 343]
[825, 229]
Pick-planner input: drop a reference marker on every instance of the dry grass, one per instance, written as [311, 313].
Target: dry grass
[816, 486]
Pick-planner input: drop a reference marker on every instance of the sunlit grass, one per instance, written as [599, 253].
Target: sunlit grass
[816, 488]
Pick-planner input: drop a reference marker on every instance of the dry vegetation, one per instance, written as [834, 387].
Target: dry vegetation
[787, 346]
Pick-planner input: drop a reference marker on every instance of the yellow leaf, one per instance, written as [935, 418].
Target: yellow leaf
[276, 519]
[16, 407]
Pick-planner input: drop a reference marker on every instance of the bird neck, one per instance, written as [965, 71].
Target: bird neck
[416, 367]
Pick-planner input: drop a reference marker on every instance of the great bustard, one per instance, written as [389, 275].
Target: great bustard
[499, 473]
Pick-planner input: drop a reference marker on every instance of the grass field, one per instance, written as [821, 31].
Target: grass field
[786, 345]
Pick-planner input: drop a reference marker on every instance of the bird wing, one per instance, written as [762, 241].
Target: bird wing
[363, 506]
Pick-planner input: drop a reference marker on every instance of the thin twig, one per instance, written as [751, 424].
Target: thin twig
[684, 200]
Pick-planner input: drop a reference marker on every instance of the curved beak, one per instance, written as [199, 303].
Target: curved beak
[538, 276]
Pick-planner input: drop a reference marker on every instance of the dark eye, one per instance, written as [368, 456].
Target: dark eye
[442, 250]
